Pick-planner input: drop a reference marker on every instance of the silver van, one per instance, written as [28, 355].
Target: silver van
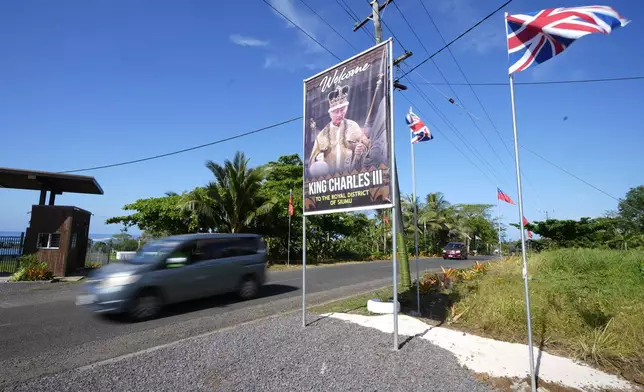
[176, 269]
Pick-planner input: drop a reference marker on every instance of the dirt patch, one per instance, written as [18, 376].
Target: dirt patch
[519, 385]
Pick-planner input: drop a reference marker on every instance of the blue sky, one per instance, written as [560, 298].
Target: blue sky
[121, 80]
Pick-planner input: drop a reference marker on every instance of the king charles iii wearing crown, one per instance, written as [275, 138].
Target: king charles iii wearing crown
[341, 144]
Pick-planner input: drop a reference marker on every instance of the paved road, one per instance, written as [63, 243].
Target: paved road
[43, 332]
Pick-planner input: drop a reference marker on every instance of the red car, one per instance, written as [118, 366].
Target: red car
[455, 250]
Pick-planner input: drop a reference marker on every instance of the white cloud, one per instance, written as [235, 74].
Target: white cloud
[306, 21]
[461, 14]
[247, 41]
[271, 61]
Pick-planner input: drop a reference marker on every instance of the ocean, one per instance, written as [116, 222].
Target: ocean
[92, 236]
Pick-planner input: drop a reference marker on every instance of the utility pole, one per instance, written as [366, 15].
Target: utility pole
[398, 242]
[376, 9]
[546, 212]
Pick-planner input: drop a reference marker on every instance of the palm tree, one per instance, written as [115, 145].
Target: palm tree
[233, 199]
[382, 219]
[436, 215]
[436, 201]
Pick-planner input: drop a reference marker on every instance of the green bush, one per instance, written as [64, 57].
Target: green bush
[588, 303]
[31, 270]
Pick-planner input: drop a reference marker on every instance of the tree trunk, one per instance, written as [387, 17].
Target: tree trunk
[403, 256]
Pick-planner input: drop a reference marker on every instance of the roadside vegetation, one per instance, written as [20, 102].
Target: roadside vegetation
[586, 303]
[31, 270]
[242, 198]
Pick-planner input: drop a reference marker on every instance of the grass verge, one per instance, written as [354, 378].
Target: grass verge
[296, 267]
[586, 303]
[356, 304]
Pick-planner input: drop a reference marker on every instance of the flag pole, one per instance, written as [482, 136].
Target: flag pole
[288, 256]
[394, 244]
[413, 200]
[523, 247]
[498, 210]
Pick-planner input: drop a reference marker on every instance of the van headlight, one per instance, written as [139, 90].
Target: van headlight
[118, 280]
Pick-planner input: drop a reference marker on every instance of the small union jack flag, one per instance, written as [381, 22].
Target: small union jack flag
[419, 131]
[536, 37]
[502, 196]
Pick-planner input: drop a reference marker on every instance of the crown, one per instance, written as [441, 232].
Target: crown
[339, 97]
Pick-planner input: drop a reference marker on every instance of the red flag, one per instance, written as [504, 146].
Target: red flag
[529, 234]
[525, 221]
[502, 196]
[290, 204]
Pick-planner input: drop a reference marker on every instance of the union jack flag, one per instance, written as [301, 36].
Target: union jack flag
[419, 131]
[536, 37]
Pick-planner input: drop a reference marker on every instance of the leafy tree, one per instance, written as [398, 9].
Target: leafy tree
[282, 176]
[631, 208]
[232, 201]
[159, 216]
[124, 242]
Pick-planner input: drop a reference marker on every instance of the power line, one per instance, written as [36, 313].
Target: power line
[452, 143]
[354, 18]
[328, 24]
[186, 149]
[302, 30]
[458, 134]
[422, 95]
[350, 11]
[443, 117]
[578, 178]
[458, 65]
[450, 87]
[618, 79]
[457, 38]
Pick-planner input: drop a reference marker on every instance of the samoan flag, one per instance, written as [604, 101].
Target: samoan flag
[419, 131]
[502, 196]
[536, 37]
[525, 223]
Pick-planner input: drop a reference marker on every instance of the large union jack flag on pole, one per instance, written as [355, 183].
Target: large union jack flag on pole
[419, 131]
[539, 36]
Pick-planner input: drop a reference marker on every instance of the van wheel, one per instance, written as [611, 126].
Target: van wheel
[146, 306]
[248, 288]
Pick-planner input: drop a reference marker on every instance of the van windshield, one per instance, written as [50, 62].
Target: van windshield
[153, 251]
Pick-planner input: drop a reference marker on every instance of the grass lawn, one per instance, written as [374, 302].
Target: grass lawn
[585, 303]
[356, 304]
[295, 267]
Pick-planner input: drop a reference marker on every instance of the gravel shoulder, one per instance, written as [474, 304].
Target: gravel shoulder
[274, 354]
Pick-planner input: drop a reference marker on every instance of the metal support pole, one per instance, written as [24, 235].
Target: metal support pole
[303, 271]
[413, 200]
[394, 249]
[52, 197]
[523, 247]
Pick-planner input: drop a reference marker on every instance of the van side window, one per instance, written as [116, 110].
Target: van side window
[223, 247]
[208, 249]
[240, 247]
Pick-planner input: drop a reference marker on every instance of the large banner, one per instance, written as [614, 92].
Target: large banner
[347, 135]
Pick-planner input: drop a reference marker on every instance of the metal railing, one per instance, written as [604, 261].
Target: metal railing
[11, 248]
